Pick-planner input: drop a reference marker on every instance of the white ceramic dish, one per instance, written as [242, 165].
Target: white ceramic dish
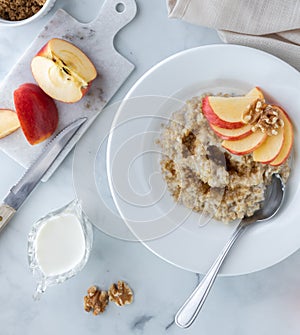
[42, 12]
[90, 180]
[172, 232]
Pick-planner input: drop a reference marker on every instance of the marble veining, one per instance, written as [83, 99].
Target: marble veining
[140, 322]
[172, 323]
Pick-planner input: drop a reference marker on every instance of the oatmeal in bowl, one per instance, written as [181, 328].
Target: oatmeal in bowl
[220, 152]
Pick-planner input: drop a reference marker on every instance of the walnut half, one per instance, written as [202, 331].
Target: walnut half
[95, 300]
[121, 294]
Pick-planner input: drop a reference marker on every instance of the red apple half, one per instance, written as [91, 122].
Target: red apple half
[232, 134]
[226, 112]
[63, 71]
[246, 145]
[36, 111]
[288, 139]
[9, 122]
[270, 148]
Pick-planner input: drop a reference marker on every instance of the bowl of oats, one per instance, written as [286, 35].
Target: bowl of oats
[19, 12]
[193, 146]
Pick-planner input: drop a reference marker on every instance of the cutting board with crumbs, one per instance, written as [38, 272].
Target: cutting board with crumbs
[96, 40]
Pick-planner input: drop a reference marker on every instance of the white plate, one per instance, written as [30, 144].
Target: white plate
[171, 231]
[90, 180]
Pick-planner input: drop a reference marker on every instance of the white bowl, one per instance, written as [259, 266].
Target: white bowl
[43, 11]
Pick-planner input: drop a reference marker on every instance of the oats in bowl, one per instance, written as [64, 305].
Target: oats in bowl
[16, 10]
[205, 177]
[19, 12]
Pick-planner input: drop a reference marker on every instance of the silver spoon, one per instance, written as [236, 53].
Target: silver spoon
[273, 199]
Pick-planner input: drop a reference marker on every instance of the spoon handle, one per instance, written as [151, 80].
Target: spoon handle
[190, 309]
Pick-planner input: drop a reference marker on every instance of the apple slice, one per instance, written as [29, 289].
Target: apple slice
[226, 112]
[288, 139]
[36, 111]
[9, 122]
[63, 71]
[246, 145]
[270, 149]
[232, 134]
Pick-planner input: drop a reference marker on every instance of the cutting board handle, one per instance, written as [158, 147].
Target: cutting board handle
[117, 13]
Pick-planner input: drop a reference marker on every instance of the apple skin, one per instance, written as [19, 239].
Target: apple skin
[71, 58]
[36, 111]
[288, 139]
[214, 118]
[44, 51]
[9, 122]
[246, 145]
[232, 134]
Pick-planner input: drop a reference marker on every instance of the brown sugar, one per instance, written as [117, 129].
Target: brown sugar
[16, 10]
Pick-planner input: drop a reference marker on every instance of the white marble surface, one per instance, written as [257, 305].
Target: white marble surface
[266, 302]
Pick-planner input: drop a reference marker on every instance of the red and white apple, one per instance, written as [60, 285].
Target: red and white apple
[288, 139]
[226, 112]
[36, 112]
[245, 145]
[270, 148]
[232, 134]
[9, 122]
[63, 71]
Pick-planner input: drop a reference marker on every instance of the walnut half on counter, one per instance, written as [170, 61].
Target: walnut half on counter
[121, 294]
[96, 300]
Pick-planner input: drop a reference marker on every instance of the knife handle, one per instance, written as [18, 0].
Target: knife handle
[6, 213]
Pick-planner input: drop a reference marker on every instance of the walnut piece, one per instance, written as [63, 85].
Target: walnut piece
[121, 294]
[263, 116]
[95, 300]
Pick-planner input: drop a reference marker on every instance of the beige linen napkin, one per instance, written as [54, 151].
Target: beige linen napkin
[269, 25]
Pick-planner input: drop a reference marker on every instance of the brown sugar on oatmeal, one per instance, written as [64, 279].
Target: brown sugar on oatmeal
[203, 176]
[15, 10]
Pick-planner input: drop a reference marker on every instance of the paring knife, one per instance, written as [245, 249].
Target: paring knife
[18, 193]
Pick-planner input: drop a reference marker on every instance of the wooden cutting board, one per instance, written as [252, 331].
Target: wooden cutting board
[96, 39]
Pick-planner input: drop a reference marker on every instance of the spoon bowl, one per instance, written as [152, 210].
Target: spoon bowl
[274, 196]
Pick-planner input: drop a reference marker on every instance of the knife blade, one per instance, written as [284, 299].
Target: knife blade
[22, 189]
